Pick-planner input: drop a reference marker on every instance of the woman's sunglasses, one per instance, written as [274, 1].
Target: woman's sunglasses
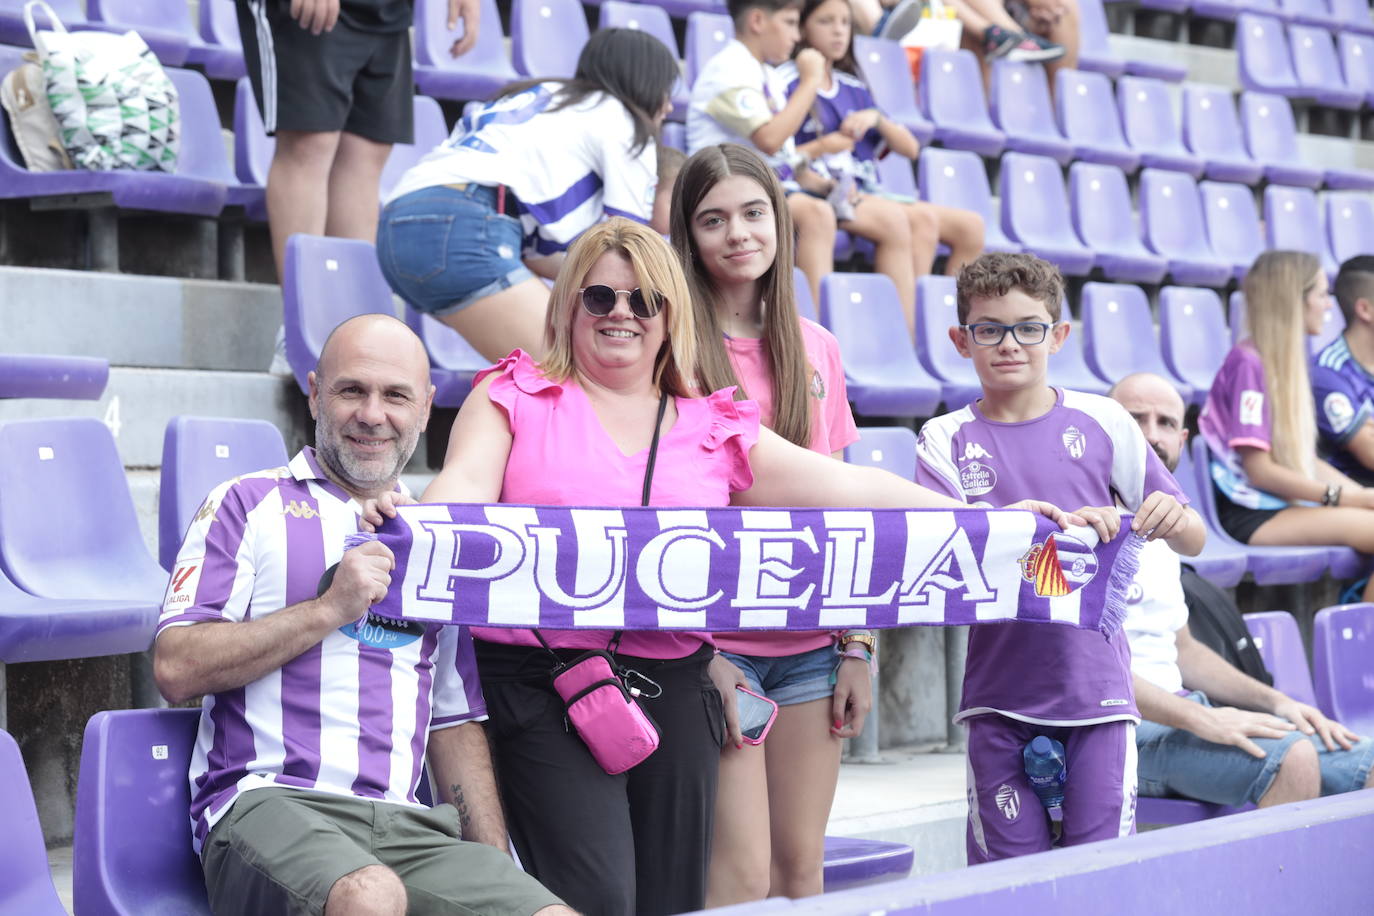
[600, 300]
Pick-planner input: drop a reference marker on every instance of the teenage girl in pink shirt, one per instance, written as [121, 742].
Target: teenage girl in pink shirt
[734, 238]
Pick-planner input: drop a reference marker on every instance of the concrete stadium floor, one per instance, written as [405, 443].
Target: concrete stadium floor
[912, 796]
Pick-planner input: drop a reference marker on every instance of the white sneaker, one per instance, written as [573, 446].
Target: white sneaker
[279, 366]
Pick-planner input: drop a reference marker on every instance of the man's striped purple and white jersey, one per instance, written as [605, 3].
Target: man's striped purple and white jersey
[348, 716]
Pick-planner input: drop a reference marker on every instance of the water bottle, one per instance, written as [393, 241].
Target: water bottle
[1044, 762]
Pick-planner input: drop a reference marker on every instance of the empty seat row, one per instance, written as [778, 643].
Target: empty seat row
[1333, 14]
[1305, 61]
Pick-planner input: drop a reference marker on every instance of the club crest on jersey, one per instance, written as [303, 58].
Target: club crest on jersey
[1058, 565]
[1075, 442]
[382, 632]
[1008, 802]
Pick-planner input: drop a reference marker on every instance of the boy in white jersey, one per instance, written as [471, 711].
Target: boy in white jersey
[738, 99]
[316, 714]
[1023, 439]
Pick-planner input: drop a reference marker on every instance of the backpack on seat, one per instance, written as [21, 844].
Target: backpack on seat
[25, 96]
[1216, 622]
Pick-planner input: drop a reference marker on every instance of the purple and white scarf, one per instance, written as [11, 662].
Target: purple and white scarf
[729, 569]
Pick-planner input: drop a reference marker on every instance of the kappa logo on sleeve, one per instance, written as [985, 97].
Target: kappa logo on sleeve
[1251, 408]
[181, 590]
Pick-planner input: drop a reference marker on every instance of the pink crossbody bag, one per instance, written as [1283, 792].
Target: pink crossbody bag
[597, 701]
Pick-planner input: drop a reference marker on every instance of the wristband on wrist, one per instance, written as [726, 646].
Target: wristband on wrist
[1333, 495]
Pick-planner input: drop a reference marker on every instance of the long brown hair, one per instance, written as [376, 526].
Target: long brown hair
[1276, 288]
[790, 370]
[655, 269]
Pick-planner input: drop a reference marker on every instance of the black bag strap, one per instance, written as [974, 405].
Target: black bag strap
[614, 644]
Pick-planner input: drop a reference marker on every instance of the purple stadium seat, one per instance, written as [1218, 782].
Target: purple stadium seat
[892, 448]
[707, 33]
[25, 375]
[1088, 116]
[25, 880]
[217, 47]
[1356, 52]
[1211, 130]
[430, 130]
[1094, 51]
[34, 629]
[133, 785]
[653, 20]
[1272, 138]
[253, 151]
[13, 31]
[200, 453]
[1349, 224]
[1318, 70]
[1235, 317]
[1174, 811]
[1309, 12]
[1101, 206]
[1069, 367]
[191, 190]
[478, 74]
[1220, 562]
[1268, 565]
[1264, 60]
[936, 312]
[888, 75]
[1119, 335]
[1035, 212]
[851, 862]
[957, 178]
[1151, 126]
[164, 24]
[325, 282]
[952, 97]
[1343, 664]
[1292, 220]
[1172, 223]
[67, 523]
[806, 306]
[1352, 15]
[675, 135]
[1021, 107]
[881, 371]
[1225, 10]
[1193, 338]
[547, 36]
[453, 362]
[1232, 224]
[1275, 634]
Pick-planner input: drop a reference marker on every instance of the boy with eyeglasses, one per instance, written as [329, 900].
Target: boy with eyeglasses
[1022, 439]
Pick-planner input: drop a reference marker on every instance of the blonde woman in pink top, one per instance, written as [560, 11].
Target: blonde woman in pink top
[577, 429]
[733, 238]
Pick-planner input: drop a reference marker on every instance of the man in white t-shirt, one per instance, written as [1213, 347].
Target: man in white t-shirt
[317, 714]
[738, 99]
[1258, 745]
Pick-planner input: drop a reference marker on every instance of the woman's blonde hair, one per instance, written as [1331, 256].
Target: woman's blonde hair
[790, 371]
[1276, 288]
[656, 269]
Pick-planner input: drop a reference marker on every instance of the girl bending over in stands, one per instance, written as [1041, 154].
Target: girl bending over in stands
[733, 235]
[517, 181]
[1259, 424]
[905, 232]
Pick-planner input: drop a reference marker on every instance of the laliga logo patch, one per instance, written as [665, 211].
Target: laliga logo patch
[1058, 565]
[1075, 442]
[181, 590]
[977, 478]
[1339, 412]
[1008, 802]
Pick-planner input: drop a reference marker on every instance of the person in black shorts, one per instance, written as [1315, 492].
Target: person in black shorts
[333, 82]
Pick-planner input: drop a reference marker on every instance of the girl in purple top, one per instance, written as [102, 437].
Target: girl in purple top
[905, 232]
[1271, 488]
[733, 236]
[577, 429]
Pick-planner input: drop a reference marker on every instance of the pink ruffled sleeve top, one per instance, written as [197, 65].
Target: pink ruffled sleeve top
[561, 455]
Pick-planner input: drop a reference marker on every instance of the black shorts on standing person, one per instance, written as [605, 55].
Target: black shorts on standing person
[356, 77]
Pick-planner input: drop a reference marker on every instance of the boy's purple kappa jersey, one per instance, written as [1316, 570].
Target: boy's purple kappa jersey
[1086, 451]
[1344, 390]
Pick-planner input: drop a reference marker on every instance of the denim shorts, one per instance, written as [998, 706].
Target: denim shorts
[790, 679]
[1177, 762]
[442, 249]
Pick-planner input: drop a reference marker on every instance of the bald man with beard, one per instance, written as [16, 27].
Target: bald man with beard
[1209, 731]
[317, 714]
